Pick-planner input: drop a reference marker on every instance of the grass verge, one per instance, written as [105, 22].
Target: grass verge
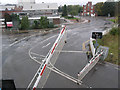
[113, 20]
[111, 40]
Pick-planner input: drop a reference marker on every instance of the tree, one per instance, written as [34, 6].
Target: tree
[69, 9]
[64, 13]
[73, 13]
[118, 16]
[44, 22]
[74, 9]
[8, 18]
[109, 8]
[51, 25]
[103, 9]
[60, 9]
[24, 23]
[98, 8]
[36, 25]
[80, 9]
[15, 20]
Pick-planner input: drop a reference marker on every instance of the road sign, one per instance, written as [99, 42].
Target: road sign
[97, 34]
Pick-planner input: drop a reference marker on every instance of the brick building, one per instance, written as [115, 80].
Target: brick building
[89, 10]
[10, 10]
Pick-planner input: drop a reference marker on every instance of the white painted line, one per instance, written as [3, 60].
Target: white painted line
[22, 39]
[42, 42]
[114, 65]
[47, 58]
[72, 51]
[46, 45]
[117, 68]
[34, 57]
[75, 33]
[37, 54]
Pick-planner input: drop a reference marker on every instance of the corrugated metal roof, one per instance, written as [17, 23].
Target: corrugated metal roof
[35, 18]
[3, 7]
[41, 6]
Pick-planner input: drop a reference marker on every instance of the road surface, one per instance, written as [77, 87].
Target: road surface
[18, 65]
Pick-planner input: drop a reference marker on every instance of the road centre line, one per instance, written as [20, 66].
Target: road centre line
[46, 45]
[42, 42]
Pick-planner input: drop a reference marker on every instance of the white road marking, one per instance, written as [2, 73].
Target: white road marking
[75, 33]
[29, 53]
[117, 68]
[37, 54]
[55, 70]
[106, 65]
[42, 42]
[34, 57]
[19, 41]
[114, 65]
[73, 51]
[58, 71]
[46, 45]
[23, 39]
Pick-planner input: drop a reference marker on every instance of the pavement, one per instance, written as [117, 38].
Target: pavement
[18, 65]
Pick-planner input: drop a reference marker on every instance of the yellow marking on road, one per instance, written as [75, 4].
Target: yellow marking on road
[83, 45]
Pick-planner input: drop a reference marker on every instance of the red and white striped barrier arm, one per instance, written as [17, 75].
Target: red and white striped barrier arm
[89, 66]
[47, 58]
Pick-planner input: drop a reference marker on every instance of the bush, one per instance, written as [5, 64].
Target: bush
[43, 22]
[25, 23]
[114, 31]
[113, 20]
[36, 25]
[50, 25]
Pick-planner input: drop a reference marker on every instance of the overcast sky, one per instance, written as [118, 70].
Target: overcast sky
[60, 2]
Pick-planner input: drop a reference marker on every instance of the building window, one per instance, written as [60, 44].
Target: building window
[48, 6]
[88, 9]
[91, 10]
[84, 7]
[91, 7]
[84, 10]
[88, 5]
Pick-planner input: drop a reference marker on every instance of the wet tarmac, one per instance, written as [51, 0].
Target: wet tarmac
[18, 65]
